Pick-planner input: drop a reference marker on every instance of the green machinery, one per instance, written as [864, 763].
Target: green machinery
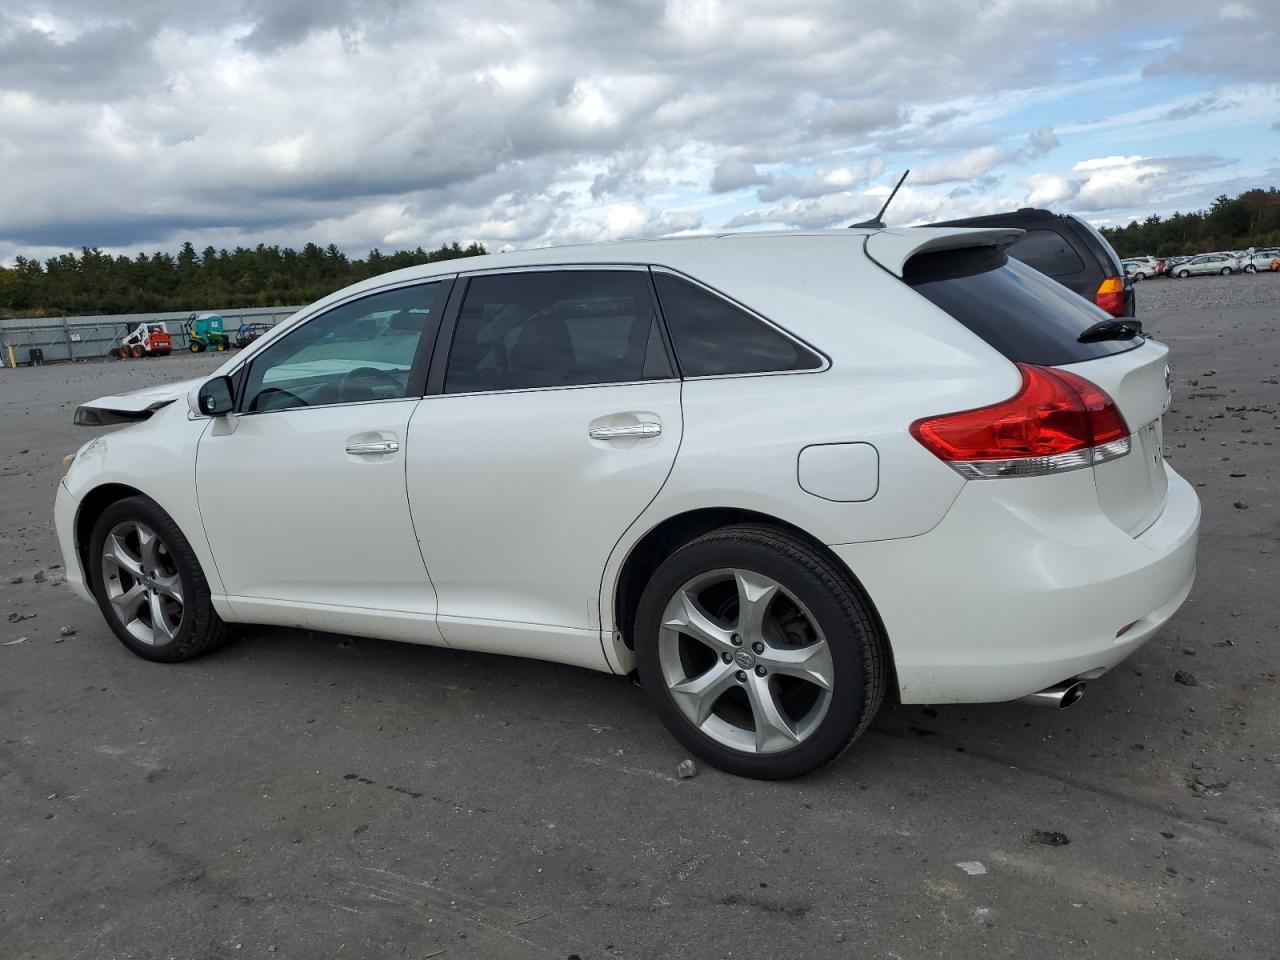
[204, 332]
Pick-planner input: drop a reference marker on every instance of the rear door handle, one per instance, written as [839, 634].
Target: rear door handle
[643, 430]
[376, 447]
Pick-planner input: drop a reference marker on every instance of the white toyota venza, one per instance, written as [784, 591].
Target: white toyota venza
[784, 477]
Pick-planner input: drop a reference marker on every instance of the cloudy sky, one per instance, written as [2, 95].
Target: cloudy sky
[135, 124]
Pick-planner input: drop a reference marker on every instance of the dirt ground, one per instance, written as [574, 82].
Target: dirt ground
[311, 796]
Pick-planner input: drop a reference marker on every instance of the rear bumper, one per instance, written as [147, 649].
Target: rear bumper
[1025, 584]
[65, 508]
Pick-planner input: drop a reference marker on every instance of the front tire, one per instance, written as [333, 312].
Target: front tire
[1184, 274]
[758, 653]
[149, 585]
[1250, 268]
[1225, 271]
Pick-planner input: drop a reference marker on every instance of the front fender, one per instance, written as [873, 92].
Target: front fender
[156, 457]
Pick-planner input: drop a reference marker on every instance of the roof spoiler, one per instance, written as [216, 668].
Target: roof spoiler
[892, 249]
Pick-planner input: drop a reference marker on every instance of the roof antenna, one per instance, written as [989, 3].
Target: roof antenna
[877, 222]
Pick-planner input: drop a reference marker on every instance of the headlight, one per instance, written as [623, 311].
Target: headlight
[67, 461]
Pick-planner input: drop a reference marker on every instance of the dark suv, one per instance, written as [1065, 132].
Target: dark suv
[1067, 249]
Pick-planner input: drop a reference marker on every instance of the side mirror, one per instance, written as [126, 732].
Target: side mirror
[214, 399]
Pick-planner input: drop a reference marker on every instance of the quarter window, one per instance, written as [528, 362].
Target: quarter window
[556, 328]
[357, 352]
[712, 337]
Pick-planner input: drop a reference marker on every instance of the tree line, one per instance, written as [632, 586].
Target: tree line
[1251, 219]
[93, 282]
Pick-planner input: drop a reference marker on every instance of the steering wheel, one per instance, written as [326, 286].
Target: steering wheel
[368, 380]
[276, 398]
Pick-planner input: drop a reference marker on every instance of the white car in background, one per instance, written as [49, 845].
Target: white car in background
[1260, 260]
[1141, 268]
[1223, 263]
[786, 477]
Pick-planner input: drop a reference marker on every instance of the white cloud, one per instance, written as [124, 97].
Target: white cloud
[129, 123]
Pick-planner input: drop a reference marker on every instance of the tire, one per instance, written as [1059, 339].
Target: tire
[1225, 271]
[196, 347]
[222, 345]
[1250, 268]
[823, 613]
[189, 625]
[124, 353]
[1139, 276]
[1184, 274]
[136, 352]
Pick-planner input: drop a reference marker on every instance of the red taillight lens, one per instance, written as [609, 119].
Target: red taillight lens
[1110, 296]
[1057, 421]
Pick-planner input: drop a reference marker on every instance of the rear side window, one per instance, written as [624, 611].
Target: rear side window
[712, 337]
[556, 328]
[1023, 314]
[1047, 251]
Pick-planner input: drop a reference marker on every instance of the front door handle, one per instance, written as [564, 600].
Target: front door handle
[376, 447]
[642, 430]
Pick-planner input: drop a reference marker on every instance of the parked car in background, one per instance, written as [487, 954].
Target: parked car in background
[1068, 249]
[1260, 260]
[1207, 263]
[1141, 268]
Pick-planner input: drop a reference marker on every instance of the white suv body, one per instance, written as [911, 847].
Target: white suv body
[463, 493]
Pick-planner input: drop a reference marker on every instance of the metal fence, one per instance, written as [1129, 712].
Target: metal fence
[90, 338]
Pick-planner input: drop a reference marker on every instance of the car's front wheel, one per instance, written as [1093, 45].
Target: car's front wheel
[1184, 274]
[149, 584]
[1225, 271]
[1250, 268]
[758, 653]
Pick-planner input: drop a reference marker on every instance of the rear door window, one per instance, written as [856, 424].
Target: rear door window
[1021, 313]
[556, 328]
[712, 337]
[1047, 251]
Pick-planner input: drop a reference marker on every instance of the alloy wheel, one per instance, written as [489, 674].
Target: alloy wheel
[745, 662]
[142, 583]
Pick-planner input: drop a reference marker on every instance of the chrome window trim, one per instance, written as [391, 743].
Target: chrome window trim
[755, 314]
[563, 386]
[324, 406]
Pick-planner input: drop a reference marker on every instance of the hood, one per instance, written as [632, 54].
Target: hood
[135, 405]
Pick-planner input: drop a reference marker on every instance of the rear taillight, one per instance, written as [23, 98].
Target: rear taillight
[1110, 296]
[1057, 421]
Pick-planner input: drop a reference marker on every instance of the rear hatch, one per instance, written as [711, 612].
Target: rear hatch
[1032, 320]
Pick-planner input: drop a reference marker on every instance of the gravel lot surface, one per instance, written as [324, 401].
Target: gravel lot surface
[305, 795]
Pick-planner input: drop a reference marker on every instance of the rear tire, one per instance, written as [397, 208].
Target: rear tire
[195, 347]
[1225, 271]
[1250, 268]
[149, 585]
[777, 692]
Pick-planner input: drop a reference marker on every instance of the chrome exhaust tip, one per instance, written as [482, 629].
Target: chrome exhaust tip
[1058, 697]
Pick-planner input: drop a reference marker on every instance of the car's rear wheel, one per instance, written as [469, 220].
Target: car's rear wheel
[1250, 268]
[758, 653]
[149, 584]
[1225, 271]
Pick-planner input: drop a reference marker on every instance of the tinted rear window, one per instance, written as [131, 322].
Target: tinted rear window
[1023, 314]
[1047, 251]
